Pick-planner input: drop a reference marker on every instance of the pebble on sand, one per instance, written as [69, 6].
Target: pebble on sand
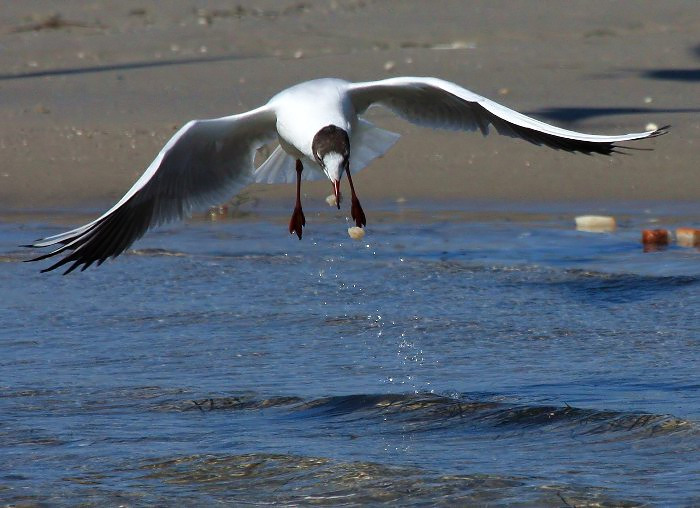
[688, 237]
[655, 237]
[595, 223]
[356, 233]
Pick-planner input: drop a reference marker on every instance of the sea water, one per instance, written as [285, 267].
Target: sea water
[447, 358]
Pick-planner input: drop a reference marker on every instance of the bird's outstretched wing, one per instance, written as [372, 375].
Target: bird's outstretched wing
[437, 103]
[204, 162]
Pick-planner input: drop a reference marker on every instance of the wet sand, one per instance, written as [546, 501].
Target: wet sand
[91, 91]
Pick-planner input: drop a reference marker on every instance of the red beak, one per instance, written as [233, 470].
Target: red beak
[336, 191]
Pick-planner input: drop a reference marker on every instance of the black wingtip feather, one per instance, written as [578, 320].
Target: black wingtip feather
[107, 238]
[661, 131]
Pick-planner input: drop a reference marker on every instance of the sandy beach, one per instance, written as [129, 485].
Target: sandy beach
[90, 91]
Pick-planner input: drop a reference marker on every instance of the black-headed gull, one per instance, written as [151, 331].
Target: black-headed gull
[318, 128]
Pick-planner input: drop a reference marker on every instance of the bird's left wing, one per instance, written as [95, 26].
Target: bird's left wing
[204, 162]
[437, 103]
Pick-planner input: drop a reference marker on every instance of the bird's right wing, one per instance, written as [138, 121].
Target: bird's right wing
[205, 162]
[441, 104]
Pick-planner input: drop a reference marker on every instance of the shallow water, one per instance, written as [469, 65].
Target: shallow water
[483, 358]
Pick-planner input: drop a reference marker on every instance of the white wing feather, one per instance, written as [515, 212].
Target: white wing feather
[437, 103]
[206, 161]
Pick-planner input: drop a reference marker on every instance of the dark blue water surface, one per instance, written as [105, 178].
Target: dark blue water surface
[482, 358]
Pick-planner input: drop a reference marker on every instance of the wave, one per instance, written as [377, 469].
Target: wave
[424, 412]
[229, 403]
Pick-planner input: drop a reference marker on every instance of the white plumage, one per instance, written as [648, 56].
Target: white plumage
[208, 161]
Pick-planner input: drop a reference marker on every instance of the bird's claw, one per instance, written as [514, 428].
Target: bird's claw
[297, 222]
[358, 214]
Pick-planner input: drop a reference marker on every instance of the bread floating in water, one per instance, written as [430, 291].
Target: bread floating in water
[688, 237]
[595, 223]
[655, 237]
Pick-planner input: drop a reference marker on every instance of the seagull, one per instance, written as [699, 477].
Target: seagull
[321, 134]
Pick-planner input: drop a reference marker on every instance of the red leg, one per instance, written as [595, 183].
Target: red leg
[298, 220]
[338, 194]
[356, 209]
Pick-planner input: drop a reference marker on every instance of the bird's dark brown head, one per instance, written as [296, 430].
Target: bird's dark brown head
[330, 140]
[331, 148]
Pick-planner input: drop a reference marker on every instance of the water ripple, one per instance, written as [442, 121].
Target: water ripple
[292, 479]
[428, 412]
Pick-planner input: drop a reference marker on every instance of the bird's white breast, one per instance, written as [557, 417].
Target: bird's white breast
[304, 109]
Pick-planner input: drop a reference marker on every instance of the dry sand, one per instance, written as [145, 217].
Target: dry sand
[90, 91]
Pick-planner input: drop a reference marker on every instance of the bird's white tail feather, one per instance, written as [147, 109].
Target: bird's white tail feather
[280, 167]
[368, 142]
